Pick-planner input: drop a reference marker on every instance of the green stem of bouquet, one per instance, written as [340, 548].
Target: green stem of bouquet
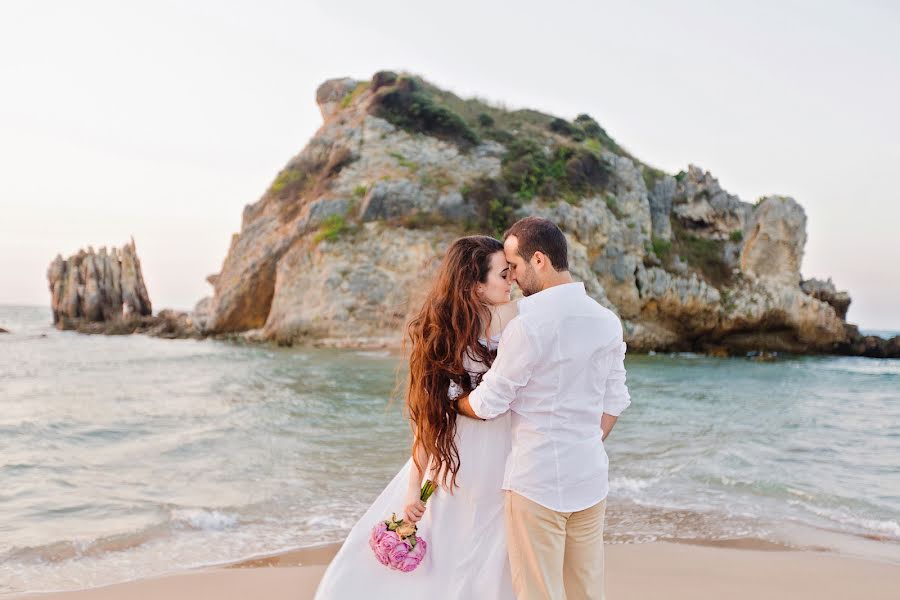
[427, 490]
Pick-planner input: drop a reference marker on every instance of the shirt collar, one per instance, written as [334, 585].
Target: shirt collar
[552, 295]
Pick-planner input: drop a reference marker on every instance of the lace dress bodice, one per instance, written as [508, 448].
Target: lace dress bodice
[474, 367]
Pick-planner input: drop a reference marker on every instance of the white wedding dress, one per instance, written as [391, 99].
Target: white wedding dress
[465, 531]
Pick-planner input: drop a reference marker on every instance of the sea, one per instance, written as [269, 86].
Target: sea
[123, 457]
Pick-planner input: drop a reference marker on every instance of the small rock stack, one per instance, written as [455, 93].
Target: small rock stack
[96, 287]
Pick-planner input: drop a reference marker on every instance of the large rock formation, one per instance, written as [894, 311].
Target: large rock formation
[281, 273]
[341, 246]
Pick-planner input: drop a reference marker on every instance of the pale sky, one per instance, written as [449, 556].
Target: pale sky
[163, 119]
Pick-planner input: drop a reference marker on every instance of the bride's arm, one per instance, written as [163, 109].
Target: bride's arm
[414, 507]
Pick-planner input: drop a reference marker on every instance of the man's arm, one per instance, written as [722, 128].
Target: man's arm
[616, 397]
[511, 370]
[607, 422]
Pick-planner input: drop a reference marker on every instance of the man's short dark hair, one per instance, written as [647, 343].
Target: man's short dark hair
[536, 234]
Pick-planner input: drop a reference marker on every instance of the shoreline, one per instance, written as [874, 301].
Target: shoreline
[736, 569]
[169, 323]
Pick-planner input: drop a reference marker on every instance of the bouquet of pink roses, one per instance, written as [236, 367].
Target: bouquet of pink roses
[394, 541]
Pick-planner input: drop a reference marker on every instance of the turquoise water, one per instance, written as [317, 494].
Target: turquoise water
[125, 457]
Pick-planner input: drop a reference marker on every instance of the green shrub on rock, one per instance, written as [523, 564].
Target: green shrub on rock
[592, 130]
[287, 180]
[567, 171]
[613, 205]
[494, 205]
[383, 78]
[585, 172]
[406, 105]
[524, 167]
[331, 228]
[704, 254]
[353, 95]
[563, 127]
[661, 247]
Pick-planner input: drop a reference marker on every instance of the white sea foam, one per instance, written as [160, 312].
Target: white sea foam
[207, 520]
[859, 524]
[628, 484]
[861, 366]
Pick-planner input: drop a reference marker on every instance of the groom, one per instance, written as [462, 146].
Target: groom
[560, 371]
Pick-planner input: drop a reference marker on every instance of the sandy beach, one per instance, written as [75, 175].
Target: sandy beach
[634, 572]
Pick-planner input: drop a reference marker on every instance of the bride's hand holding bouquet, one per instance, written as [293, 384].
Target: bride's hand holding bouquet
[394, 540]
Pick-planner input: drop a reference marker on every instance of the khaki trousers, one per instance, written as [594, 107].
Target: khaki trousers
[555, 555]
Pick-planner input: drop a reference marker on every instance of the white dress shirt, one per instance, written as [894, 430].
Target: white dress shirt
[559, 367]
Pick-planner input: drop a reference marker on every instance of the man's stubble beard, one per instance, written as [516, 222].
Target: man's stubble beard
[528, 284]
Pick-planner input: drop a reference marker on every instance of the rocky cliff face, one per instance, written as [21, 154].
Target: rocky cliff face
[343, 242]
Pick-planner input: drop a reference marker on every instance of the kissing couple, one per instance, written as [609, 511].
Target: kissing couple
[510, 403]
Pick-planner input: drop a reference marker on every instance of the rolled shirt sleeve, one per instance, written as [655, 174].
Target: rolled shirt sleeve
[616, 397]
[511, 370]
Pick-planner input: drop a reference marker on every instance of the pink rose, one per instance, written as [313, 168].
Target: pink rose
[419, 551]
[388, 541]
[377, 533]
[382, 542]
[408, 564]
[398, 553]
[382, 557]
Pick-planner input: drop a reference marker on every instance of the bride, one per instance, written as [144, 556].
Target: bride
[454, 341]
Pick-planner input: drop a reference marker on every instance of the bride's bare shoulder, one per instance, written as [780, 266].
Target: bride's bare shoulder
[502, 315]
[509, 310]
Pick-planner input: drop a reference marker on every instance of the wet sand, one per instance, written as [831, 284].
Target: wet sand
[738, 571]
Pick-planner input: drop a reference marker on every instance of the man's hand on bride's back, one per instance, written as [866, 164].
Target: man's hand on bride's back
[413, 510]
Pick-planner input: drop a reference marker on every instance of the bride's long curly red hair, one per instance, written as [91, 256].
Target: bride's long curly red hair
[447, 327]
